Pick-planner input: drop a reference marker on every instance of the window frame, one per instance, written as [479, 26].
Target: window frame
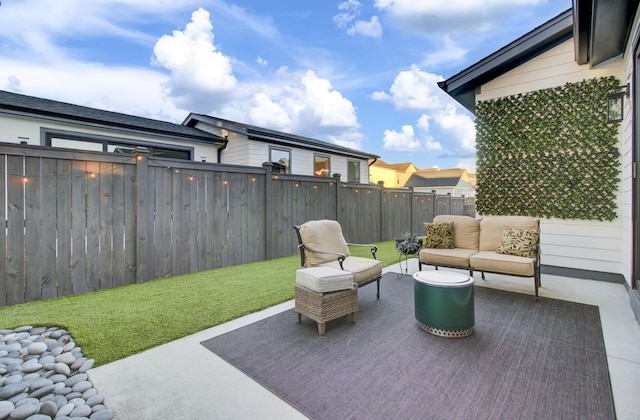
[358, 163]
[48, 135]
[328, 168]
[280, 149]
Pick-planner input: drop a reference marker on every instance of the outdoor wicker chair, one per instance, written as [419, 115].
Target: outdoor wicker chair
[322, 244]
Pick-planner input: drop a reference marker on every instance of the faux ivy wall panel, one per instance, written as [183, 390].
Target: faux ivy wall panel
[549, 153]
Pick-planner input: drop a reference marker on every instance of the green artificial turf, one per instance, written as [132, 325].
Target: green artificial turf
[115, 323]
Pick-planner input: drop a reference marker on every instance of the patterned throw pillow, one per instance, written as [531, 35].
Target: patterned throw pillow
[518, 242]
[439, 235]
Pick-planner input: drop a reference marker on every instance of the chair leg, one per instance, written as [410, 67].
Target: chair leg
[354, 316]
[298, 317]
[436, 268]
[378, 285]
[482, 275]
[321, 326]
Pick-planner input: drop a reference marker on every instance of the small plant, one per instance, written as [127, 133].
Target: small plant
[408, 244]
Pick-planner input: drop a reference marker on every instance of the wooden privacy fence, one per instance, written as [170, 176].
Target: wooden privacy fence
[83, 221]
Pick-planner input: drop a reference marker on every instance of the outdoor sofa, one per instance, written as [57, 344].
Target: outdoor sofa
[507, 245]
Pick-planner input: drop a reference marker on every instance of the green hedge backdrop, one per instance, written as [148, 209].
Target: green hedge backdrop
[549, 153]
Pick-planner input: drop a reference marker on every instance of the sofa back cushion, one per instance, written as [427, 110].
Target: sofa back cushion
[491, 229]
[322, 235]
[465, 230]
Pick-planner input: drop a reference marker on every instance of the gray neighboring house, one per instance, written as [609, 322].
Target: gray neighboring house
[45, 122]
[446, 181]
[251, 146]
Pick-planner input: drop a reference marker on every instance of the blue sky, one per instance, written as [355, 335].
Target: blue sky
[362, 74]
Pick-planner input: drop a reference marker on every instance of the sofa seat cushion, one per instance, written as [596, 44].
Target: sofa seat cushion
[324, 279]
[502, 263]
[457, 257]
[363, 269]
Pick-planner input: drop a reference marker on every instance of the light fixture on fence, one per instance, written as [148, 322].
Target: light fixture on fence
[615, 104]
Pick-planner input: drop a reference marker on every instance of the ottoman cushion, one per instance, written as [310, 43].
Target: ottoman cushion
[324, 279]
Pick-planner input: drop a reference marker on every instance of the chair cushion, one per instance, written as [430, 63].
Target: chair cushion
[465, 230]
[491, 229]
[322, 235]
[502, 263]
[324, 279]
[363, 269]
[438, 235]
[458, 257]
[518, 242]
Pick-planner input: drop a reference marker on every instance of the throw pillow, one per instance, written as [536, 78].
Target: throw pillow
[439, 235]
[518, 242]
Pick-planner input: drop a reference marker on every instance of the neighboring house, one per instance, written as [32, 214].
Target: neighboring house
[44, 122]
[393, 175]
[594, 39]
[252, 146]
[454, 181]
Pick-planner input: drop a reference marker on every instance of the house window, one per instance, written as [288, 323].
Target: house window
[353, 171]
[281, 159]
[80, 141]
[321, 165]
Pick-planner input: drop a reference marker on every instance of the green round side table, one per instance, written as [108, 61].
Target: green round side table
[444, 303]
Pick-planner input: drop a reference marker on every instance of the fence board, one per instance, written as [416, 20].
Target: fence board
[106, 183]
[118, 223]
[93, 226]
[64, 215]
[129, 229]
[3, 234]
[33, 225]
[47, 263]
[15, 229]
[78, 226]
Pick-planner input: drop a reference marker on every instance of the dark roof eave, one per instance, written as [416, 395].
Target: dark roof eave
[610, 26]
[462, 86]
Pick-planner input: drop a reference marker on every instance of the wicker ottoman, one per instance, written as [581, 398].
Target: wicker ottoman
[325, 303]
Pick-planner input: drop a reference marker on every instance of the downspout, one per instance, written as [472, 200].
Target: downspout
[222, 149]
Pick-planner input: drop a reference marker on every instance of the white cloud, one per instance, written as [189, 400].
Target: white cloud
[458, 126]
[132, 91]
[261, 61]
[351, 10]
[201, 77]
[450, 15]
[415, 90]
[444, 126]
[347, 19]
[407, 141]
[448, 54]
[371, 28]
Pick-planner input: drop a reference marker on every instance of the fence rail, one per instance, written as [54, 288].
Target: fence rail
[84, 221]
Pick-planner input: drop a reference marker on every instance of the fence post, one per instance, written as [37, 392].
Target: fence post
[380, 200]
[411, 197]
[268, 209]
[337, 176]
[142, 243]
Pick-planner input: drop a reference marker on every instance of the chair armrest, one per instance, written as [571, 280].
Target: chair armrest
[374, 248]
[341, 256]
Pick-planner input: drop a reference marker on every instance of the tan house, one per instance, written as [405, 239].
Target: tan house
[593, 41]
[393, 175]
[455, 181]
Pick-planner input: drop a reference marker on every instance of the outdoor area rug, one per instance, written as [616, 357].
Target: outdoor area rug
[525, 359]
